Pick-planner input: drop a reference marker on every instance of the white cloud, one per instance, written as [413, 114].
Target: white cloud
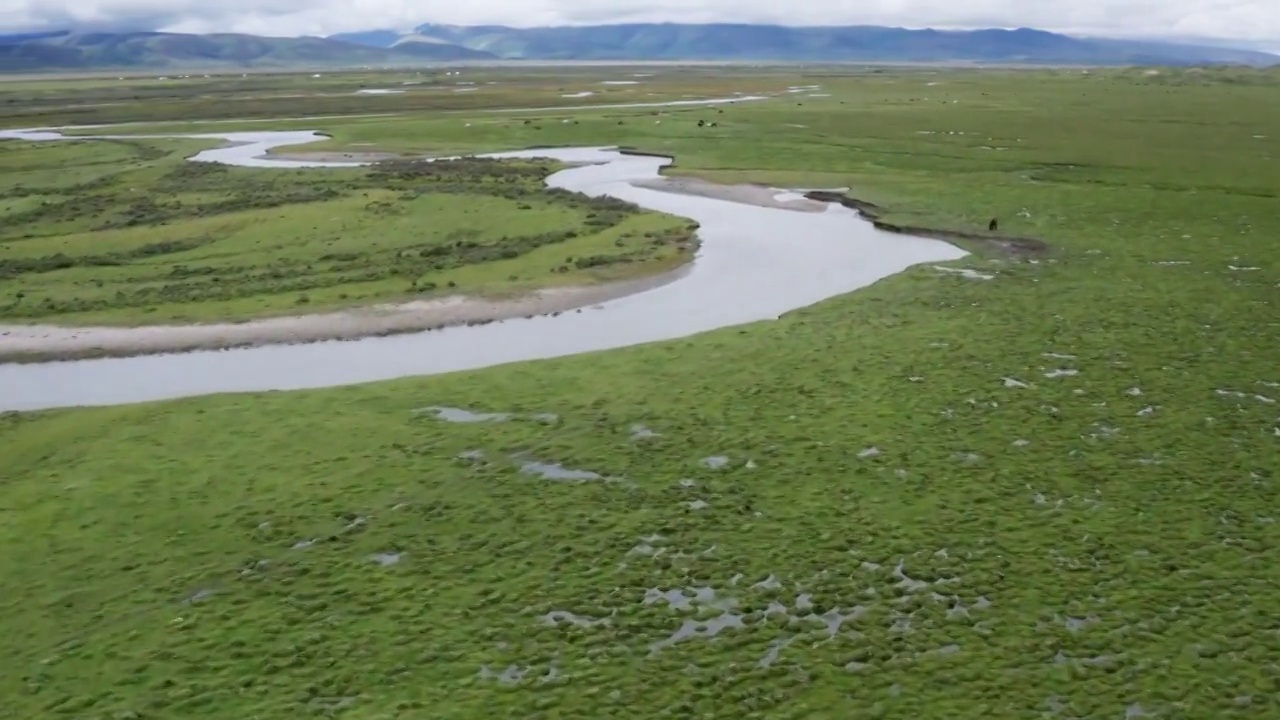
[1242, 19]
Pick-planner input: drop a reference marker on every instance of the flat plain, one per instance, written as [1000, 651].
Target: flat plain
[129, 232]
[1046, 488]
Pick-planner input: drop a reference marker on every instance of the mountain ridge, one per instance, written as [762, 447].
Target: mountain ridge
[65, 50]
[69, 50]
[866, 43]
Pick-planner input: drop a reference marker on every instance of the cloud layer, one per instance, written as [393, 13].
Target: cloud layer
[1241, 19]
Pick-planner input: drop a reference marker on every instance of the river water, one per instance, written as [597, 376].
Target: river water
[754, 263]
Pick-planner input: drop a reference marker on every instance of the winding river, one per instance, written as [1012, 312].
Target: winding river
[755, 263]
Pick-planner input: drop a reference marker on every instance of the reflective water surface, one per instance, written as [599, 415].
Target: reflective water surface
[754, 263]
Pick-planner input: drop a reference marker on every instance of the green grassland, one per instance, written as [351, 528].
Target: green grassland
[899, 138]
[127, 232]
[1096, 544]
[43, 101]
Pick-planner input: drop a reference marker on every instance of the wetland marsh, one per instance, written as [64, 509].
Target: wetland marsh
[1042, 487]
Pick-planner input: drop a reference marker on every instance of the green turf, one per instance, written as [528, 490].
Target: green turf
[42, 100]
[130, 232]
[1099, 544]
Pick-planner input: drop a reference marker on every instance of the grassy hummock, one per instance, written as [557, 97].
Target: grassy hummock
[1050, 493]
[130, 233]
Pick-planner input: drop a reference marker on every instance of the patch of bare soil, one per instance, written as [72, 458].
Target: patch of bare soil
[1006, 245]
[33, 343]
[334, 156]
[746, 194]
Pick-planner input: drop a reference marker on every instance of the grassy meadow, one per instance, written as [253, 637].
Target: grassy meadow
[1052, 493]
[32, 100]
[128, 232]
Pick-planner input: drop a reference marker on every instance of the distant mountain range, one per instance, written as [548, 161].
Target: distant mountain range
[862, 43]
[67, 50]
[35, 52]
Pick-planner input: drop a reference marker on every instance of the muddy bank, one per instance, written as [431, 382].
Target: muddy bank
[40, 343]
[1016, 246]
[757, 195]
[321, 156]
[753, 264]
[747, 194]
[370, 157]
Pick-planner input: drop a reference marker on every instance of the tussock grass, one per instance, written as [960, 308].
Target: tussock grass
[1071, 546]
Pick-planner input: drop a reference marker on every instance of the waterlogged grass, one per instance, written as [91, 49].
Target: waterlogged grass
[1071, 544]
[911, 140]
[129, 232]
[43, 101]
[1051, 493]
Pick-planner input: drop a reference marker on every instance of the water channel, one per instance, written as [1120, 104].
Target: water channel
[754, 263]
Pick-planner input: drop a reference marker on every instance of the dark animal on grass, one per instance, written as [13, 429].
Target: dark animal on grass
[993, 225]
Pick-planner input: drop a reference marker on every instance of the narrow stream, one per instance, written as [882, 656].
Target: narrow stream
[755, 263]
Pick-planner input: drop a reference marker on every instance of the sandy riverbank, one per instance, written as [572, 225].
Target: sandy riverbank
[321, 156]
[337, 156]
[35, 343]
[757, 195]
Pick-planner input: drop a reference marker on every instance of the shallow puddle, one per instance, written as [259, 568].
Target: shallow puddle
[509, 676]
[834, 620]
[1074, 624]
[459, 415]
[677, 599]
[965, 273]
[775, 649]
[558, 472]
[330, 705]
[700, 597]
[769, 583]
[700, 629]
[558, 617]
[906, 582]
[640, 432]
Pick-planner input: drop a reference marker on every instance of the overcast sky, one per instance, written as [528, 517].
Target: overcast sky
[1241, 19]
